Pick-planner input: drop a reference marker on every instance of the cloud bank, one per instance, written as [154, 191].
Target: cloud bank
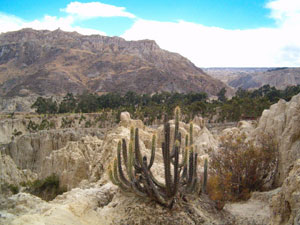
[217, 47]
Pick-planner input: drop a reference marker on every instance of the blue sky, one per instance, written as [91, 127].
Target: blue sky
[229, 14]
[208, 32]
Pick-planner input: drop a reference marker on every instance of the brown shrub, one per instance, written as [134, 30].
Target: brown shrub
[242, 166]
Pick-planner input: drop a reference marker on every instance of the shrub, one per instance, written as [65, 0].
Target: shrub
[88, 124]
[16, 133]
[32, 126]
[48, 188]
[242, 166]
[66, 123]
[9, 188]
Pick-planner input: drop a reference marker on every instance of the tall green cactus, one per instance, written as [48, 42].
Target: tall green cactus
[180, 178]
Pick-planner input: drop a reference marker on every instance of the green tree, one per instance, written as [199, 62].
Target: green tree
[45, 105]
[221, 95]
[68, 104]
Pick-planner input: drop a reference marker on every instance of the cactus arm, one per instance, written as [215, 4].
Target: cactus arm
[191, 187]
[116, 177]
[122, 178]
[124, 150]
[111, 177]
[191, 133]
[184, 158]
[130, 161]
[152, 152]
[204, 177]
[155, 194]
[186, 140]
[138, 155]
[190, 168]
[167, 164]
[176, 168]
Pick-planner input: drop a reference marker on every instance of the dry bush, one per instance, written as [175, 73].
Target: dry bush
[242, 166]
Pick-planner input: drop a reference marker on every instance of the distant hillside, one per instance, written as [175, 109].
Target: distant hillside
[53, 63]
[247, 78]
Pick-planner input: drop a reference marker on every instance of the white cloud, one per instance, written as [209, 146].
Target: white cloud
[285, 12]
[12, 23]
[213, 46]
[64, 23]
[96, 9]
[75, 11]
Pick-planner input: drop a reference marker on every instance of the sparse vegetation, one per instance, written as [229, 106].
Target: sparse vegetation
[66, 122]
[46, 189]
[32, 126]
[88, 124]
[6, 188]
[16, 133]
[44, 125]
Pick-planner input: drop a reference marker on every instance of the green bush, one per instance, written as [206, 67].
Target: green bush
[9, 188]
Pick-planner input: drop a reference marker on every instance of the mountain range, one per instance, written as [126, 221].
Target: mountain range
[56, 62]
[249, 78]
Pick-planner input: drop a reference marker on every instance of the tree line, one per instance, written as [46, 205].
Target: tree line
[244, 105]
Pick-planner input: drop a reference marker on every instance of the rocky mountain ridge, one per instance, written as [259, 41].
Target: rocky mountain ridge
[53, 63]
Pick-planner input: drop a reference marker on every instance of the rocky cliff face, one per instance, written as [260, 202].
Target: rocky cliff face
[285, 204]
[282, 121]
[44, 62]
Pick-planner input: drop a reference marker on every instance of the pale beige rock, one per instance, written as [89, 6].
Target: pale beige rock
[75, 207]
[7, 128]
[29, 151]
[254, 211]
[286, 204]
[10, 174]
[282, 122]
[243, 127]
[125, 116]
[104, 206]
[127, 122]
[74, 162]
[199, 121]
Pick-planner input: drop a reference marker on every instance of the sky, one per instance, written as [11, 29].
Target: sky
[210, 33]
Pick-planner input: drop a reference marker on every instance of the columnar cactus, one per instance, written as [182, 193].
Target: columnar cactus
[180, 177]
[204, 177]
